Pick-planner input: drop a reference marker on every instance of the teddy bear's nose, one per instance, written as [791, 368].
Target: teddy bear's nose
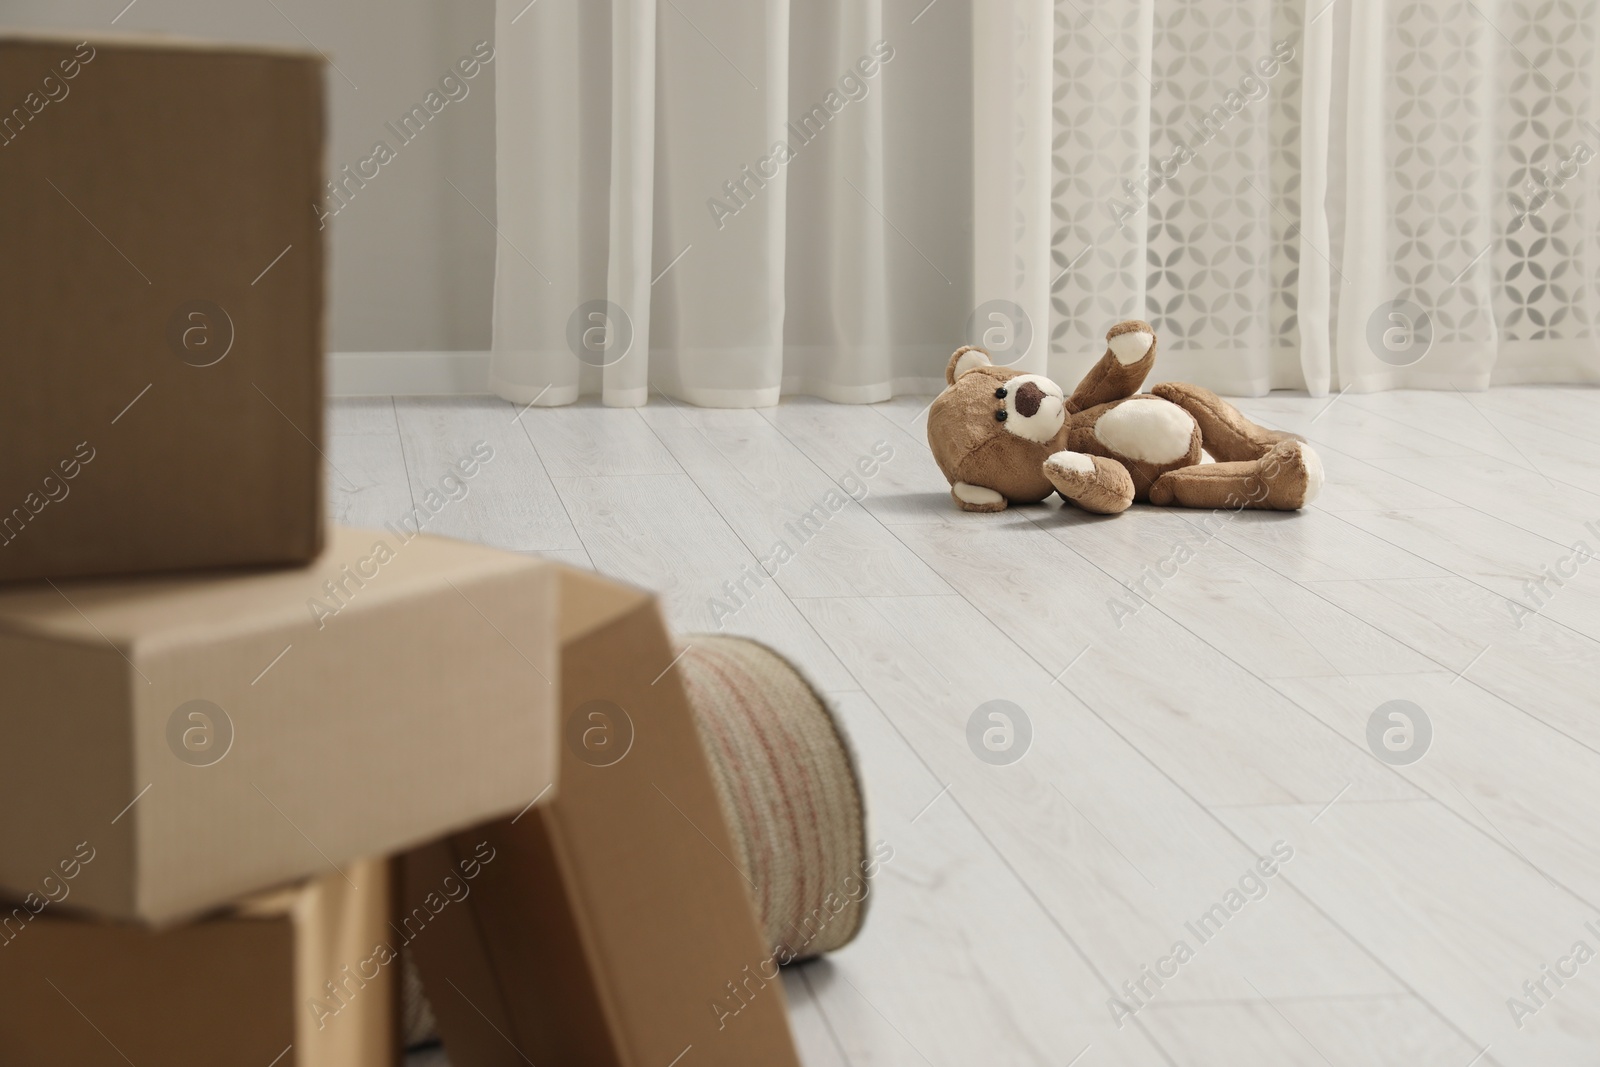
[1029, 397]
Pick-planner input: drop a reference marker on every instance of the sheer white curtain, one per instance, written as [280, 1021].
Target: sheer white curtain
[725, 201]
[1331, 194]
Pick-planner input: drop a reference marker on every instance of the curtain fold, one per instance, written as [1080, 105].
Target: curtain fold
[1013, 46]
[723, 203]
[1314, 274]
[632, 200]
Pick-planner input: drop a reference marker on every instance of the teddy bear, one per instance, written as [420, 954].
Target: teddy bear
[1005, 437]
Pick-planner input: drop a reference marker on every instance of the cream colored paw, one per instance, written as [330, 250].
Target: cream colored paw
[1070, 463]
[977, 497]
[1314, 473]
[1131, 347]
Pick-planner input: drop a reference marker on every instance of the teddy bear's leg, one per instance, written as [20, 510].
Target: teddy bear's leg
[1287, 478]
[1094, 483]
[1130, 353]
[1225, 431]
[976, 498]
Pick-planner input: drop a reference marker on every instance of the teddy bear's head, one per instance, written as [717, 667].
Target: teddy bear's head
[993, 426]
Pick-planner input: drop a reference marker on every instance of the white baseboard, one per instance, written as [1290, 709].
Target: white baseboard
[408, 374]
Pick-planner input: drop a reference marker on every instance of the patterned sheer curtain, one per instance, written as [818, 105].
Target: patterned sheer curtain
[724, 203]
[1330, 194]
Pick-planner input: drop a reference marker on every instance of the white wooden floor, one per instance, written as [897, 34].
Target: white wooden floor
[1229, 712]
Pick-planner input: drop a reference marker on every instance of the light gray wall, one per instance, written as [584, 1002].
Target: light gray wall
[412, 262]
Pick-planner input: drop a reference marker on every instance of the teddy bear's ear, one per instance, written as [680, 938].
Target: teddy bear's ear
[965, 358]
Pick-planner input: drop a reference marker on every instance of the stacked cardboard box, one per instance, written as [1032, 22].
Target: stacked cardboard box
[185, 742]
[178, 744]
[231, 989]
[211, 774]
[161, 281]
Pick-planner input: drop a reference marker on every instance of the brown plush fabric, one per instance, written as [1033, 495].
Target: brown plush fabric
[1277, 481]
[1011, 466]
[1229, 436]
[1110, 379]
[979, 445]
[971, 446]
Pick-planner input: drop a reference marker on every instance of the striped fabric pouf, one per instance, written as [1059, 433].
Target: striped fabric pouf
[789, 790]
[418, 1024]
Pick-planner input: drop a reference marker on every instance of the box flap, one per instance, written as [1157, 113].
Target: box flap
[590, 601]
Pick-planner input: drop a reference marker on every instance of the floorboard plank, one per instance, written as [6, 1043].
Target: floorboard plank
[1569, 409]
[510, 502]
[907, 488]
[1396, 1031]
[1226, 736]
[1496, 487]
[590, 440]
[366, 477]
[1131, 857]
[659, 531]
[961, 963]
[1558, 578]
[1526, 787]
[1535, 664]
[1463, 922]
[806, 523]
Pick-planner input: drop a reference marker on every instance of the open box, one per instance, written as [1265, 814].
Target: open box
[612, 923]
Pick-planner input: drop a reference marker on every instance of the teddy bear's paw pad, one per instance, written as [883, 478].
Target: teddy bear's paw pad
[977, 498]
[1094, 483]
[1131, 347]
[1315, 476]
[1293, 475]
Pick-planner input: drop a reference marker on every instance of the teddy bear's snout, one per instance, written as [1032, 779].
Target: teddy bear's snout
[1033, 408]
[1029, 397]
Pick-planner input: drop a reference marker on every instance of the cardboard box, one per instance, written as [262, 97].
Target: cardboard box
[212, 736]
[288, 980]
[161, 274]
[611, 925]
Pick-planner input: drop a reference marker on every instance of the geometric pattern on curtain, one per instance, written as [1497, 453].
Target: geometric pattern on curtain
[1178, 151]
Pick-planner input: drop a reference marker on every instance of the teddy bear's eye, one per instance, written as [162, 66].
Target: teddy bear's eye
[1000, 394]
[1000, 416]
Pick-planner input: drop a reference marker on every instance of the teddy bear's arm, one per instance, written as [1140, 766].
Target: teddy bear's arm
[1130, 353]
[1094, 483]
